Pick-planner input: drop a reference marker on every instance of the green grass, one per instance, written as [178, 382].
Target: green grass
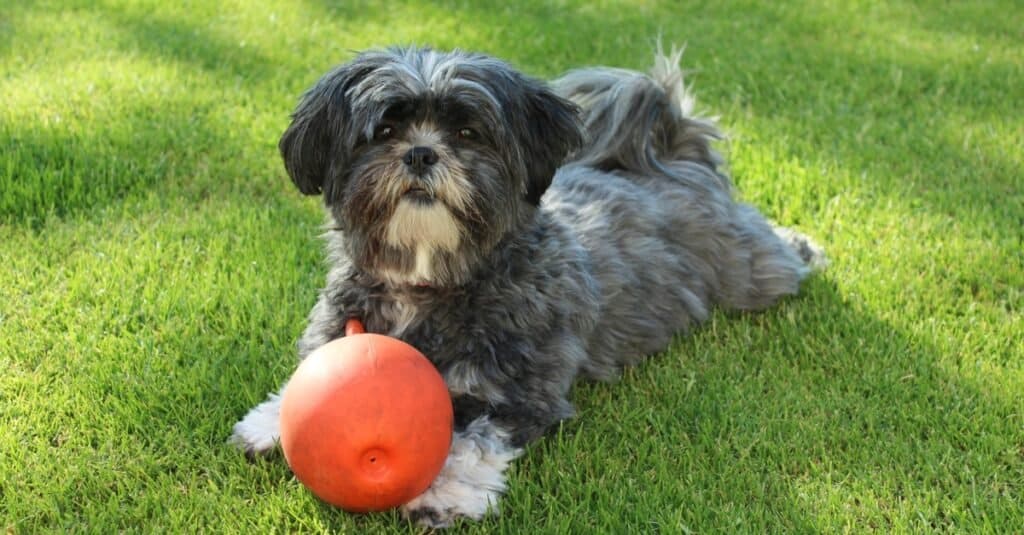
[157, 266]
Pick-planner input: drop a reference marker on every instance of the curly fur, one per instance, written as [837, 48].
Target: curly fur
[563, 231]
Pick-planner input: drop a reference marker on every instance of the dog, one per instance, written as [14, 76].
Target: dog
[521, 234]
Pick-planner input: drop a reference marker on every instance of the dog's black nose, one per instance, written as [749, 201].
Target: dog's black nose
[420, 158]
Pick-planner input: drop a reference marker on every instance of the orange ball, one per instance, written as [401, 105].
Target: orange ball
[366, 422]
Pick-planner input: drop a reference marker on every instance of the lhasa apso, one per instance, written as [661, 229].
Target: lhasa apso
[520, 234]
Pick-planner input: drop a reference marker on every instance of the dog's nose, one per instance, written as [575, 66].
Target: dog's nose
[420, 158]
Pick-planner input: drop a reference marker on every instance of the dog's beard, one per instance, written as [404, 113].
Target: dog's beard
[415, 229]
[423, 229]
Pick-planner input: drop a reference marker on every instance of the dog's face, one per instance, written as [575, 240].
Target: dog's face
[427, 160]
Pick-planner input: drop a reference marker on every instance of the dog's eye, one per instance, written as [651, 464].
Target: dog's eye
[383, 132]
[467, 133]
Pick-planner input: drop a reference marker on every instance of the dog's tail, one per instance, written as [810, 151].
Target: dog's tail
[639, 122]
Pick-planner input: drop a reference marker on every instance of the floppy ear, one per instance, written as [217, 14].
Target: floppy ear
[313, 139]
[552, 132]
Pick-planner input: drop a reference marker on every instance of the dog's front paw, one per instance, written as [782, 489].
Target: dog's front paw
[430, 517]
[258, 433]
[447, 501]
[472, 480]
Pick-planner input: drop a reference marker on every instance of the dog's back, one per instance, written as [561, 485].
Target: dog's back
[647, 198]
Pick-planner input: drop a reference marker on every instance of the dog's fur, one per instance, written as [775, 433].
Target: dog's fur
[521, 235]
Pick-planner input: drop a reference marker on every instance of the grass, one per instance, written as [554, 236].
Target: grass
[157, 267]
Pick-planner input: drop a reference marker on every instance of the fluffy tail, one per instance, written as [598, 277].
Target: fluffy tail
[637, 122]
[645, 124]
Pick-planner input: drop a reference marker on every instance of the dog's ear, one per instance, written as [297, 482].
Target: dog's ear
[551, 132]
[314, 140]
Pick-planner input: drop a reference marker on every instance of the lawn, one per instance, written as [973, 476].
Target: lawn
[158, 265]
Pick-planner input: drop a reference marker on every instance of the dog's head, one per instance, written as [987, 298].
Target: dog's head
[427, 159]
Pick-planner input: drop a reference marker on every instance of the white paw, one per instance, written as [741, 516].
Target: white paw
[260, 430]
[471, 481]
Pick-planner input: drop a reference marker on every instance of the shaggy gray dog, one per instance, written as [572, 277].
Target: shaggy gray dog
[520, 235]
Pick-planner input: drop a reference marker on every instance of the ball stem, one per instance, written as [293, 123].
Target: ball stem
[354, 326]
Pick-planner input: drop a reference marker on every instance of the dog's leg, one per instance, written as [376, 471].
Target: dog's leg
[472, 480]
[260, 430]
[769, 262]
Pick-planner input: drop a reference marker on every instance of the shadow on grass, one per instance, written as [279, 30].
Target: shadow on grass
[182, 135]
[521, 34]
[58, 171]
[134, 146]
[897, 124]
[527, 34]
[786, 430]
[54, 172]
